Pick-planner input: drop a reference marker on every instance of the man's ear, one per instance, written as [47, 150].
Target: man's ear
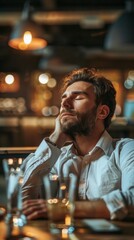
[103, 111]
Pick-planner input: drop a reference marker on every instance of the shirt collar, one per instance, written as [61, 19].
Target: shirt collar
[70, 146]
[105, 143]
[67, 146]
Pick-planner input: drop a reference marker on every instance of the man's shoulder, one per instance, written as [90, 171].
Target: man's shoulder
[124, 142]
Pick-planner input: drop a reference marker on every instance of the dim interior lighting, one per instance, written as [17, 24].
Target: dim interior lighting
[27, 34]
[120, 36]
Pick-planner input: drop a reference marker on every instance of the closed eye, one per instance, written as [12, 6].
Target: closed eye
[80, 97]
[77, 95]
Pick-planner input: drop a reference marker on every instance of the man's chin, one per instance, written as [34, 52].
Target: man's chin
[67, 125]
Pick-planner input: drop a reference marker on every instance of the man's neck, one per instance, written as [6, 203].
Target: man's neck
[85, 144]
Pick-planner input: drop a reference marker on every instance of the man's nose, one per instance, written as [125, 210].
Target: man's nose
[67, 103]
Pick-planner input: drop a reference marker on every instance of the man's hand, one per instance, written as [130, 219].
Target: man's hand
[91, 209]
[58, 137]
[34, 209]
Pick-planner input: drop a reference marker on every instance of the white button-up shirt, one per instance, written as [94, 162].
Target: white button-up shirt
[106, 172]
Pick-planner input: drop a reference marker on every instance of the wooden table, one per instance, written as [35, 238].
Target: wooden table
[9, 152]
[14, 152]
[40, 231]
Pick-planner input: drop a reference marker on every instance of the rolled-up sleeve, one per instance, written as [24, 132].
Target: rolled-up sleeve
[35, 166]
[121, 202]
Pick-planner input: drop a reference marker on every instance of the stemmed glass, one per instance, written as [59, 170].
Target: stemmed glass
[14, 218]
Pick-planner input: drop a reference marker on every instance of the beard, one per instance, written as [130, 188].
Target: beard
[83, 125]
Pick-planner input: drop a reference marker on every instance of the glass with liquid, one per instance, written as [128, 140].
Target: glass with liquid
[60, 200]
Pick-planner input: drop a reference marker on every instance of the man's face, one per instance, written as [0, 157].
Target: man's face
[78, 109]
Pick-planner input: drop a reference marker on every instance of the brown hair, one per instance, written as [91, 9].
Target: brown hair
[103, 88]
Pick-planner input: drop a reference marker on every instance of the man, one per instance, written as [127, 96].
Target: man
[81, 144]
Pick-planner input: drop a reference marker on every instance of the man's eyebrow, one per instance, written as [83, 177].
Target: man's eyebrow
[75, 93]
[80, 92]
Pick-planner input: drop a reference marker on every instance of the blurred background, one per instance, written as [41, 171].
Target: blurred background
[75, 34]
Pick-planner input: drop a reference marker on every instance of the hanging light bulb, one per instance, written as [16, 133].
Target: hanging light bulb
[26, 42]
[27, 34]
[27, 37]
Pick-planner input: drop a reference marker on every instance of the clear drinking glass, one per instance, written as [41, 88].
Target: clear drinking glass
[60, 197]
[14, 218]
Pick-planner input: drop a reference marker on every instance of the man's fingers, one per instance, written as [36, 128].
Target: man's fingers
[37, 214]
[35, 209]
[33, 202]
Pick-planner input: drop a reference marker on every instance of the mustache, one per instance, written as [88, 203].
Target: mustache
[68, 111]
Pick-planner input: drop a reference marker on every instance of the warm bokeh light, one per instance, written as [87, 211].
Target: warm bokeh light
[9, 82]
[10, 161]
[131, 75]
[9, 79]
[64, 233]
[13, 105]
[50, 111]
[68, 220]
[51, 83]
[20, 160]
[46, 111]
[63, 187]
[27, 38]
[54, 110]
[43, 78]
[54, 177]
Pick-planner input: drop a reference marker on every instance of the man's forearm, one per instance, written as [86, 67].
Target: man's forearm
[91, 209]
